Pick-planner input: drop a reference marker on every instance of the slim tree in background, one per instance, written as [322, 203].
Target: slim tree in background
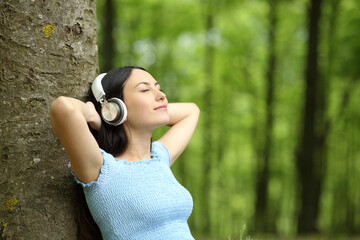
[108, 46]
[207, 116]
[262, 218]
[48, 48]
[310, 156]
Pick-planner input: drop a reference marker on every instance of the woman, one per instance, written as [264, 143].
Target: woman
[129, 188]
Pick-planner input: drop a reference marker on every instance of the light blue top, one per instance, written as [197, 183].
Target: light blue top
[139, 200]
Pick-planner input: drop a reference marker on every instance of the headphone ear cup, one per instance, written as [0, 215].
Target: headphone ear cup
[114, 111]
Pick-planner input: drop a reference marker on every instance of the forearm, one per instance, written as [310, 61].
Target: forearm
[182, 111]
[70, 118]
[183, 121]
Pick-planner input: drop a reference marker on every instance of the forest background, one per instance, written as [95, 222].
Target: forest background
[275, 154]
[276, 151]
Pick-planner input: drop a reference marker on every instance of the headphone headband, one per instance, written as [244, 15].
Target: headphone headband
[97, 87]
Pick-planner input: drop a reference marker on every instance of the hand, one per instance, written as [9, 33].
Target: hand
[93, 118]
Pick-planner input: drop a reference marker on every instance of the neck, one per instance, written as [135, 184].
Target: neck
[139, 145]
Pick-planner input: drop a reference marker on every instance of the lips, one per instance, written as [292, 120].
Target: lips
[162, 107]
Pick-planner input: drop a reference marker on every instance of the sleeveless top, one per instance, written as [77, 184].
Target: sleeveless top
[139, 200]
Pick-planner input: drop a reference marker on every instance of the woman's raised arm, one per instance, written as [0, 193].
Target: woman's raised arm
[69, 119]
[183, 121]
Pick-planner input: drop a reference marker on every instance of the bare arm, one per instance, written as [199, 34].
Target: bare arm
[183, 121]
[69, 119]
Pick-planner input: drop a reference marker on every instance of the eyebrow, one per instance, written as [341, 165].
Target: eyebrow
[147, 83]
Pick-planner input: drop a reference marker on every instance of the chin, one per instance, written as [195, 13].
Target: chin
[163, 120]
[162, 123]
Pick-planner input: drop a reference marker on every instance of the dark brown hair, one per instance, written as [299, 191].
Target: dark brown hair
[111, 139]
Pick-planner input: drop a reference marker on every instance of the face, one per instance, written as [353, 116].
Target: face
[145, 102]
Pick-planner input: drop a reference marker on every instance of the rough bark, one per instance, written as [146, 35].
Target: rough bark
[48, 48]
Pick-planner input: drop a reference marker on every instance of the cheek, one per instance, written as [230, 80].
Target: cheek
[138, 106]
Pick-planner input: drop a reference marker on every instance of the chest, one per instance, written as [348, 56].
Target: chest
[148, 193]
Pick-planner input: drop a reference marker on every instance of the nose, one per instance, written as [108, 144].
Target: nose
[160, 95]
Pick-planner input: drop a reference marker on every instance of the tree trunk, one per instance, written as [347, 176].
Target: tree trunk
[262, 218]
[48, 48]
[108, 45]
[208, 125]
[311, 155]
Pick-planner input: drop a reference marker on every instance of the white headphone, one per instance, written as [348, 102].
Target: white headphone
[113, 111]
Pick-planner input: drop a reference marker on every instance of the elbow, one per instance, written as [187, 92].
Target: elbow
[57, 105]
[60, 107]
[196, 109]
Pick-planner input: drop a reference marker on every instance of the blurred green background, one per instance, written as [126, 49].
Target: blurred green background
[276, 152]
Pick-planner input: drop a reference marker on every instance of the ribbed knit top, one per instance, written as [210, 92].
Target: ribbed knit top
[139, 200]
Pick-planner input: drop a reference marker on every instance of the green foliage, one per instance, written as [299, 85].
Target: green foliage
[170, 39]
